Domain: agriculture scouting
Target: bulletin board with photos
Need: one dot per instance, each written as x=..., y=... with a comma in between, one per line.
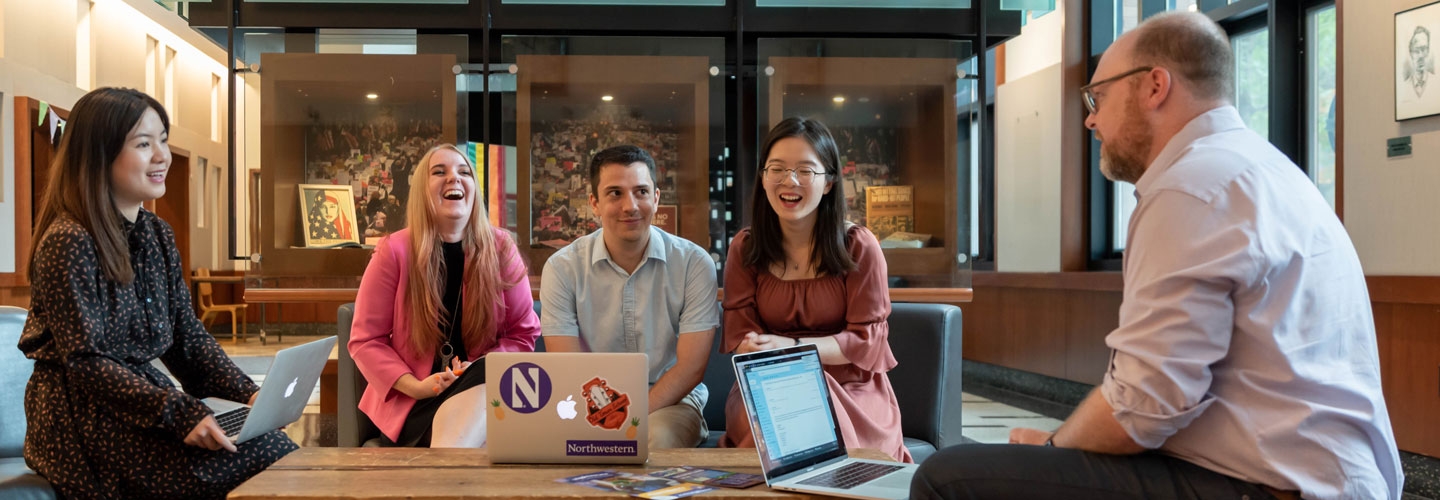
x=335, y=161
x=570, y=107
x=894, y=124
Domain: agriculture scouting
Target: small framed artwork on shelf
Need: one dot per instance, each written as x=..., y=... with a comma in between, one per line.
x=328, y=214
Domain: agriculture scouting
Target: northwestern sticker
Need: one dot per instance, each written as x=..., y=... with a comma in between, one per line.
x=575, y=448
x=525, y=387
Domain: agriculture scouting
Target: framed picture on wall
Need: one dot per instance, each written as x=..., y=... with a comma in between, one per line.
x=1417, y=92
x=328, y=214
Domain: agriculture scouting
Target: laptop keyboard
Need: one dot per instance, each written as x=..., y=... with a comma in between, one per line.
x=231, y=421
x=851, y=475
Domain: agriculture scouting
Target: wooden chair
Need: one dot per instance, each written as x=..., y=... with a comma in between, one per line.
x=209, y=309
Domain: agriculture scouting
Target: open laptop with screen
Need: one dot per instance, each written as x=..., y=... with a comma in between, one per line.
x=797, y=434
x=567, y=407
x=283, y=396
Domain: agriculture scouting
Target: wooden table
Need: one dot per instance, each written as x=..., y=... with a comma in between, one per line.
x=421, y=473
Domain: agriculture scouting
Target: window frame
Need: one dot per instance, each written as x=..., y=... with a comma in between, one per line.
x=1286, y=21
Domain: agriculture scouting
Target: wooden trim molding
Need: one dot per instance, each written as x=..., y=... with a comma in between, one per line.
x=1340, y=109
x=1404, y=289
x=1099, y=281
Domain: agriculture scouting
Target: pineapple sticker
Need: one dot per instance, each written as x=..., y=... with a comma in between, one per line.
x=499, y=412
x=634, y=427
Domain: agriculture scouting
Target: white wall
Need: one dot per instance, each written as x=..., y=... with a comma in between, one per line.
x=1038, y=46
x=1027, y=148
x=38, y=59
x=1027, y=173
x=1390, y=204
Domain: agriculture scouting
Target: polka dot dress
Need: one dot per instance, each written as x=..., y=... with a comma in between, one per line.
x=102, y=421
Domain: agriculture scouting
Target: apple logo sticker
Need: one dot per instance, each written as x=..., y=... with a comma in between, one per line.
x=566, y=408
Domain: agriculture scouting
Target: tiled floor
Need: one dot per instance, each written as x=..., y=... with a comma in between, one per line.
x=987, y=421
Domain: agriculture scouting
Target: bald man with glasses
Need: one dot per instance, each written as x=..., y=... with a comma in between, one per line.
x=1245, y=364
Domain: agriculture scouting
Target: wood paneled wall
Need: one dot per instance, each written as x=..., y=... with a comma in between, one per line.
x=1055, y=324
x=1048, y=323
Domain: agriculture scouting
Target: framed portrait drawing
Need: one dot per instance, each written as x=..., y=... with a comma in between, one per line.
x=1417, y=93
x=327, y=212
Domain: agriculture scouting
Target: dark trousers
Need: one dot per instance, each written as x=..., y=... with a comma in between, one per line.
x=1017, y=471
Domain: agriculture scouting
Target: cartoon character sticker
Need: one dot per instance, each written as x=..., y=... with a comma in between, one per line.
x=605, y=407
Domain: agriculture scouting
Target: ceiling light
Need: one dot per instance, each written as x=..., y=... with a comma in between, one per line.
x=372, y=95
x=607, y=98
x=839, y=99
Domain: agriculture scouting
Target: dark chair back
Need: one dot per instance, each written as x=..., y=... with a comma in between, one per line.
x=925, y=339
x=353, y=427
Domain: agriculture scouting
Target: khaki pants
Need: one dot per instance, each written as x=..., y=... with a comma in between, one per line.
x=681, y=425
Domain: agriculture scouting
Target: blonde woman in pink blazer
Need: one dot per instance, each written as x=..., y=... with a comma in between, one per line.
x=415, y=344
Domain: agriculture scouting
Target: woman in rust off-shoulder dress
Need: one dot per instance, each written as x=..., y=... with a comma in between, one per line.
x=801, y=273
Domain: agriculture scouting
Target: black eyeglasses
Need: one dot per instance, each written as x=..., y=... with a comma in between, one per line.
x=1088, y=92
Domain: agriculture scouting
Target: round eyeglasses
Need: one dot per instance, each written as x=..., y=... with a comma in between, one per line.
x=802, y=175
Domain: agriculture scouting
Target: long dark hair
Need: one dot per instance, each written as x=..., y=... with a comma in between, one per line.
x=765, y=245
x=79, y=184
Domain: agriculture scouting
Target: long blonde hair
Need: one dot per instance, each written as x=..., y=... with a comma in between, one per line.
x=483, y=284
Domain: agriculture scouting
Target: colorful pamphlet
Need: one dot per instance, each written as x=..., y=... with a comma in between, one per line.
x=637, y=485
x=710, y=477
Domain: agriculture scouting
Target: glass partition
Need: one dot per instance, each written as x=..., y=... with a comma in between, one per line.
x=566, y=98
x=332, y=124
x=901, y=112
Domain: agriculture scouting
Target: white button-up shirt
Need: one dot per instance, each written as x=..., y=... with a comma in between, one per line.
x=1246, y=343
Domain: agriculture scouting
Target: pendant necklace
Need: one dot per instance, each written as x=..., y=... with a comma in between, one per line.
x=447, y=352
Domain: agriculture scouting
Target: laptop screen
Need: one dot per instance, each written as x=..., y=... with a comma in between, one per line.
x=789, y=406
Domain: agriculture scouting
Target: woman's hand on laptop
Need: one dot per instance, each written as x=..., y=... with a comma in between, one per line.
x=763, y=341
x=207, y=434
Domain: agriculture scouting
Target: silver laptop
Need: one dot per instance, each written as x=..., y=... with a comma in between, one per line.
x=567, y=407
x=283, y=396
x=797, y=435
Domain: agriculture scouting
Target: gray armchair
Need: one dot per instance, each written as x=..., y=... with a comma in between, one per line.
x=16, y=480
x=924, y=337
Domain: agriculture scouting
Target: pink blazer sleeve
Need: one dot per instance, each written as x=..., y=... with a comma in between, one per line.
x=520, y=326
x=370, y=332
x=865, y=341
x=741, y=315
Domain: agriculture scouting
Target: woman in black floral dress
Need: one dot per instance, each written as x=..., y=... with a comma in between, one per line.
x=108, y=297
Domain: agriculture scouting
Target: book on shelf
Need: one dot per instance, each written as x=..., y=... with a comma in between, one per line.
x=889, y=209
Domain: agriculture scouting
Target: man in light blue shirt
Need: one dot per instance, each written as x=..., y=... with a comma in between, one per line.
x=630, y=287
x=1245, y=362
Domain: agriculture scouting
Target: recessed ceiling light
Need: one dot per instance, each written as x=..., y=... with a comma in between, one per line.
x=839, y=99
x=372, y=95
x=607, y=98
